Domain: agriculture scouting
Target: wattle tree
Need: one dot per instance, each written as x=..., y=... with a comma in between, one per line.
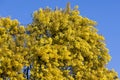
x=57, y=45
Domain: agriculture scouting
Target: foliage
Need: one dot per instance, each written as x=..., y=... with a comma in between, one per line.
x=59, y=45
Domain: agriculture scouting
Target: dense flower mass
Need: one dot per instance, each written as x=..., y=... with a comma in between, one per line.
x=57, y=45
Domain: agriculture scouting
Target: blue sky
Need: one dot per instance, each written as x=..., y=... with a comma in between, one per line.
x=105, y=12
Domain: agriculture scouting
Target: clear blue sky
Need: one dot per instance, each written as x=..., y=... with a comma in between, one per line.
x=105, y=12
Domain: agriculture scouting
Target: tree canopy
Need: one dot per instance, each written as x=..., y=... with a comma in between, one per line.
x=57, y=45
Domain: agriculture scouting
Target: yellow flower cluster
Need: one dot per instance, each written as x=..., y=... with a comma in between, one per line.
x=60, y=45
x=11, y=59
